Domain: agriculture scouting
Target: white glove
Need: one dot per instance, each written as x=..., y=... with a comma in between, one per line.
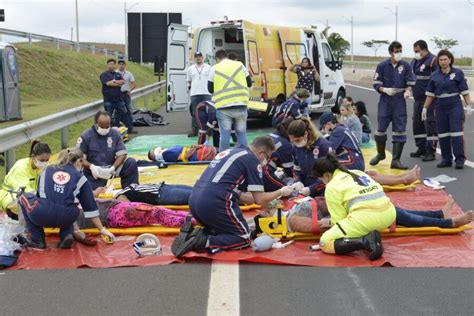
x=389, y=91
x=407, y=94
x=305, y=191
x=105, y=232
x=424, y=114
x=286, y=191
x=468, y=110
x=95, y=171
x=106, y=173
x=298, y=186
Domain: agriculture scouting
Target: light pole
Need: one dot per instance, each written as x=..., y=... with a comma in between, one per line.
x=77, y=26
x=351, y=20
x=125, y=10
x=471, y=2
x=396, y=19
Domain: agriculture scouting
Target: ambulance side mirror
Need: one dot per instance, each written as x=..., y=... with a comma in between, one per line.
x=339, y=63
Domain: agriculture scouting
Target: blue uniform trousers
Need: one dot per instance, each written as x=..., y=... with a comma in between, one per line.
x=39, y=213
x=215, y=210
x=392, y=110
x=352, y=160
x=128, y=174
x=450, y=123
x=425, y=132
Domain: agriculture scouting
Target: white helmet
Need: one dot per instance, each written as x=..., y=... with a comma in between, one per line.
x=147, y=245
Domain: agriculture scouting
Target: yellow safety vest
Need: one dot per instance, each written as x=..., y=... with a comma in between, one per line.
x=344, y=196
x=230, y=84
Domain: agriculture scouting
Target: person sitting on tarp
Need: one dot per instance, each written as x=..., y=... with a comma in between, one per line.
x=179, y=153
x=343, y=142
x=292, y=107
x=358, y=207
x=207, y=124
x=299, y=217
x=61, y=187
x=105, y=154
x=214, y=202
x=282, y=158
x=24, y=173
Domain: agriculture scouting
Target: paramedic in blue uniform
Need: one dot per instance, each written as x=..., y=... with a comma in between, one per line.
x=60, y=190
x=394, y=79
x=206, y=119
x=216, y=195
x=426, y=137
x=282, y=158
x=446, y=85
x=343, y=142
x=308, y=145
x=105, y=154
x=291, y=108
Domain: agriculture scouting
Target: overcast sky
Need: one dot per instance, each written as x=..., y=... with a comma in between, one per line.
x=103, y=20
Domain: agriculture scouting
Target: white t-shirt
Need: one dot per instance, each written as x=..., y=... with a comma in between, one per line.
x=198, y=76
x=128, y=78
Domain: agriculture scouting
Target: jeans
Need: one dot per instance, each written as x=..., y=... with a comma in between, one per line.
x=117, y=111
x=174, y=194
x=308, y=101
x=129, y=107
x=195, y=100
x=409, y=218
x=225, y=118
x=365, y=138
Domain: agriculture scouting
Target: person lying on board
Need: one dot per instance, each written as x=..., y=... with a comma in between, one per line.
x=179, y=153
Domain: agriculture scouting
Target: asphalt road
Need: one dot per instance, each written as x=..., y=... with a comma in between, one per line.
x=182, y=289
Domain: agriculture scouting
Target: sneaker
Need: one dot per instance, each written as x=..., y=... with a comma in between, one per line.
x=37, y=244
x=66, y=242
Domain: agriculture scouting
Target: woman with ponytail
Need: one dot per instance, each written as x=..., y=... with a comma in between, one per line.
x=25, y=173
x=358, y=207
x=308, y=145
x=55, y=203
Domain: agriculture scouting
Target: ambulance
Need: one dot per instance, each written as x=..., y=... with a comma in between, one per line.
x=267, y=51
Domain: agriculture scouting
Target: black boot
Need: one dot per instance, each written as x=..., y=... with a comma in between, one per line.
x=66, y=242
x=37, y=244
x=371, y=242
x=184, y=233
x=431, y=151
x=397, y=153
x=420, y=152
x=429, y=157
x=380, y=142
x=196, y=242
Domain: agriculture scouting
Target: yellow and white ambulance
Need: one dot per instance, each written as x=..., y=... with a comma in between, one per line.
x=267, y=51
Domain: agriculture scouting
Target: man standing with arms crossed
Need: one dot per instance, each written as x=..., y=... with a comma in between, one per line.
x=126, y=89
x=230, y=81
x=197, y=76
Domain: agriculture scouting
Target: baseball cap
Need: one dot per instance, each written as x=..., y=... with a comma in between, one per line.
x=121, y=61
x=196, y=54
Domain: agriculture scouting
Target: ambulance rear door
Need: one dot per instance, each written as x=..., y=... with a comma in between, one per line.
x=177, y=94
x=293, y=50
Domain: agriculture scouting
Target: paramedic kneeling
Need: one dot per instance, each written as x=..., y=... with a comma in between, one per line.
x=61, y=188
x=106, y=155
x=358, y=207
x=215, y=199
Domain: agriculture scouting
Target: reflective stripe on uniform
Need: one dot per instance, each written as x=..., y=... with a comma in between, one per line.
x=430, y=94
x=287, y=165
x=230, y=96
x=227, y=165
x=447, y=95
x=399, y=133
x=41, y=186
x=365, y=198
x=456, y=134
x=423, y=77
x=464, y=92
x=432, y=138
x=377, y=82
x=411, y=83
x=377, y=133
x=420, y=136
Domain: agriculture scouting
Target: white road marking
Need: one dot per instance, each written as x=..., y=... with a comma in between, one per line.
x=224, y=290
x=467, y=163
x=362, y=292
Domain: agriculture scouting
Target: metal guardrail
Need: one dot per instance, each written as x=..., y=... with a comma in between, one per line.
x=57, y=41
x=466, y=69
x=20, y=134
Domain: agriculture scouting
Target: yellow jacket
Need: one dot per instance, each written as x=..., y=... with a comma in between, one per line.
x=22, y=174
x=344, y=195
x=230, y=84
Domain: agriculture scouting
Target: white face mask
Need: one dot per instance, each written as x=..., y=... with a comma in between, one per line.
x=301, y=143
x=103, y=131
x=158, y=152
x=40, y=164
x=264, y=162
x=417, y=56
x=397, y=56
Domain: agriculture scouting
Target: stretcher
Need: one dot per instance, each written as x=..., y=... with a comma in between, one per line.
x=153, y=229
x=277, y=227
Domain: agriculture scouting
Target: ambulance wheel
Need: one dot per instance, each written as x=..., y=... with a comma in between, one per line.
x=341, y=94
